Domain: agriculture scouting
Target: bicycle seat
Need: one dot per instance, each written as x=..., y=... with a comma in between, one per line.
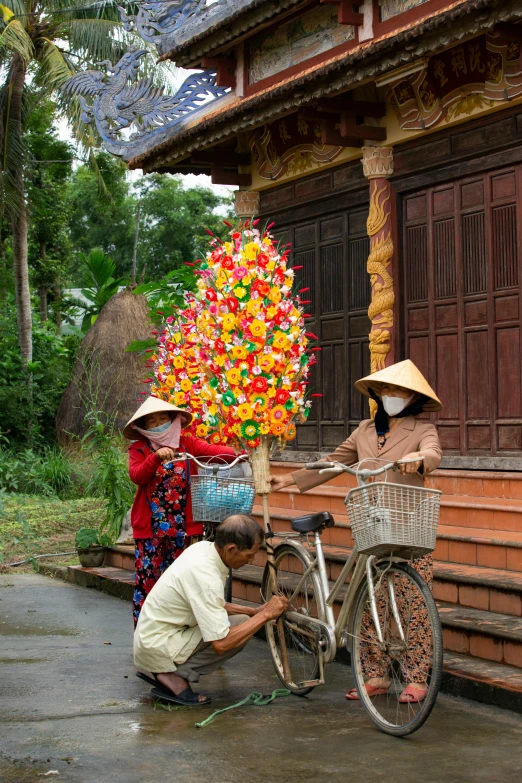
x=309, y=523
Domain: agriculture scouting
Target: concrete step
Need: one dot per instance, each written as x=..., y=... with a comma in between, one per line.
x=489, y=682
x=481, y=634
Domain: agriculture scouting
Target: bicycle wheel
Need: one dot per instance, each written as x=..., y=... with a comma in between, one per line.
x=301, y=643
x=398, y=657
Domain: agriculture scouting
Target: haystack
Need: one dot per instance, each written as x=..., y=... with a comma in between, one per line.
x=104, y=370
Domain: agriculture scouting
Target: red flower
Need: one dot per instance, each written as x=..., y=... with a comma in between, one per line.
x=254, y=443
x=279, y=318
x=236, y=235
x=262, y=260
x=219, y=345
x=148, y=585
x=227, y=262
x=279, y=276
x=232, y=303
x=281, y=396
x=211, y=295
x=259, y=384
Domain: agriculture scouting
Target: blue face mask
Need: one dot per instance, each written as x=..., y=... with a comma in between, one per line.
x=160, y=427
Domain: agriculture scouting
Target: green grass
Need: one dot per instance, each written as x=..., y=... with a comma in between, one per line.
x=52, y=522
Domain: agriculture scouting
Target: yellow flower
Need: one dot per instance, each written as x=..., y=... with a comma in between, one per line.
x=228, y=248
x=264, y=429
x=213, y=409
x=254, y=307
x=239, y=352
x=244, y=412
x=261, y=399
x=201, y=430
x=233, y=376
x=186, y=385
x=278, y=413
x=288, y=282
x=220, y=360
x=267, y=241
x=280, y=341
x=221, y=281
x=275, y=295
x=270, y=266
x=257, y=328
x=170, y=381
x=179, y=398
x=266, y=362
x=251, y=250
x=229, y=321
x=239, y=291
x=271, y=311
x=178, y=362
x=176, y=337
x=246, y=280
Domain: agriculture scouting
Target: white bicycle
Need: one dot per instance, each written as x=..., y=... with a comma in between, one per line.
x=387, y=617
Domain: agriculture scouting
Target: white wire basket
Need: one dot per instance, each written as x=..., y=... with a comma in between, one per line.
x=394, y=517
x=214, y=497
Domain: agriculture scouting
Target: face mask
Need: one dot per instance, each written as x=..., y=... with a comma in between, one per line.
x=395, y=405
x=160, y=427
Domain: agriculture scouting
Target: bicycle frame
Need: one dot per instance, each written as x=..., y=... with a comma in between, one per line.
x=361, y=565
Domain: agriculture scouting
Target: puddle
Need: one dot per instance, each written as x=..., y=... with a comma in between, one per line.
x=15, y=628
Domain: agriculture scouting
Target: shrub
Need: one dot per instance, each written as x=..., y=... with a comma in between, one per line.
x=48, y=472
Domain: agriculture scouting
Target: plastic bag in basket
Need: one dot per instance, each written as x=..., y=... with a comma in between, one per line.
x=229, y=496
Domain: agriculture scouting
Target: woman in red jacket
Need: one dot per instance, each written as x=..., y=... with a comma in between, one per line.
x=161, y=514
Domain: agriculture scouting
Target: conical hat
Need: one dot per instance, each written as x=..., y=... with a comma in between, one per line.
x=405, y=375
x=153, y=405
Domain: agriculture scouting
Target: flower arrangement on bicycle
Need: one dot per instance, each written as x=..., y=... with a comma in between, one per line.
x=236, y=355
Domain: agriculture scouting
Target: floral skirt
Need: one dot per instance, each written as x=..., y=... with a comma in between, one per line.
x=153, y=557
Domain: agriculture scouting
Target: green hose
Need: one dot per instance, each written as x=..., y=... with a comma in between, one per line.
x=255, y=698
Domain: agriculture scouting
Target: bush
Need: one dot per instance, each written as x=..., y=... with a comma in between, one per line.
x=29, y=397
x=50, y=472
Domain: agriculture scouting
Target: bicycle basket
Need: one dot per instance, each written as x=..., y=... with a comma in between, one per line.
x=393, y=517
x=215, y=498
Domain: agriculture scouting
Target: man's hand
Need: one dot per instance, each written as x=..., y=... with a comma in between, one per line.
x=411, y=467
x=275, y=607
x=280, y=482
x=166, y=453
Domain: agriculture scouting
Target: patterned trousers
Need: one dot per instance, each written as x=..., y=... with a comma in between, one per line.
x=153, y=557
x=415, y=663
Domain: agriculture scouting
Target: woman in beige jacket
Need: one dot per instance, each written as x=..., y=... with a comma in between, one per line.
x=401, y=393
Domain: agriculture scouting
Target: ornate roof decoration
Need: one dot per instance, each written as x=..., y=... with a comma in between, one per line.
x=370, y=60
x=157, y=19
x=129, y=112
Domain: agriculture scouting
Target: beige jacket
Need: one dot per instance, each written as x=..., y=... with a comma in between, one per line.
x=407, y=436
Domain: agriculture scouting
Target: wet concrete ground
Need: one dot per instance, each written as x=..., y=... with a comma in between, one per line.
x=70, y=703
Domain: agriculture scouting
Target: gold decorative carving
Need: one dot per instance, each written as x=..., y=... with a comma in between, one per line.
x=246, y=203
x=380, y=258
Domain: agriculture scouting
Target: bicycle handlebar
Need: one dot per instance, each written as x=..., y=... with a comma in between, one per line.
x=228, y=465
x=338, y=467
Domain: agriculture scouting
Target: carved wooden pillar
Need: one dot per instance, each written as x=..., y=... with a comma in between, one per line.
x=378, y=166
x=246, y=203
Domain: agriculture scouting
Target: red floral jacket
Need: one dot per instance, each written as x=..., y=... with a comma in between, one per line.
x=143, y=464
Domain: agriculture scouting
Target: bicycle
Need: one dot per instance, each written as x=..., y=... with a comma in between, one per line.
x=217, y=493
x=391, y=524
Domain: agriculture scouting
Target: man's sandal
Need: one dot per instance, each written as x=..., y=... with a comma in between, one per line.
x=413, y=693
x=372, y=690
x=186, y=697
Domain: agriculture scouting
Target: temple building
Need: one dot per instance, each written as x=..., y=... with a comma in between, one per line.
x=384, y=139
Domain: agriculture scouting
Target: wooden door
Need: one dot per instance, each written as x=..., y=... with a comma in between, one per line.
x=332, y=252
x=462, y=252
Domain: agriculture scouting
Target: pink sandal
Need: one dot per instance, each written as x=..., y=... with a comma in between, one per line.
x=372, y=690
x=413, y=693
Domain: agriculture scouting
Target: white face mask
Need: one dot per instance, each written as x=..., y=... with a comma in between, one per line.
x=395, y=405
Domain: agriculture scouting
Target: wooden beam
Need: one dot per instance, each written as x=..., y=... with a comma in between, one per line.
x=311, y=114
x=225, y=69
x=223, y=156
x=345, y=12
x=221, y=177
x=511, y=33
x=330, y=135
x=342, y=105
x=351, y=130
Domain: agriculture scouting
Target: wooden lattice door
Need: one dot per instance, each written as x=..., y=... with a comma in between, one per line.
x=462, y=253
x=332, y=252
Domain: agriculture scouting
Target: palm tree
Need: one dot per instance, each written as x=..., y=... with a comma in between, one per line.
x=42, y=44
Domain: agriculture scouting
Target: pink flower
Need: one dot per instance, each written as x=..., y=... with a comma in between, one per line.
x=170, y=319
x=240, y=272
x=213, y=309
